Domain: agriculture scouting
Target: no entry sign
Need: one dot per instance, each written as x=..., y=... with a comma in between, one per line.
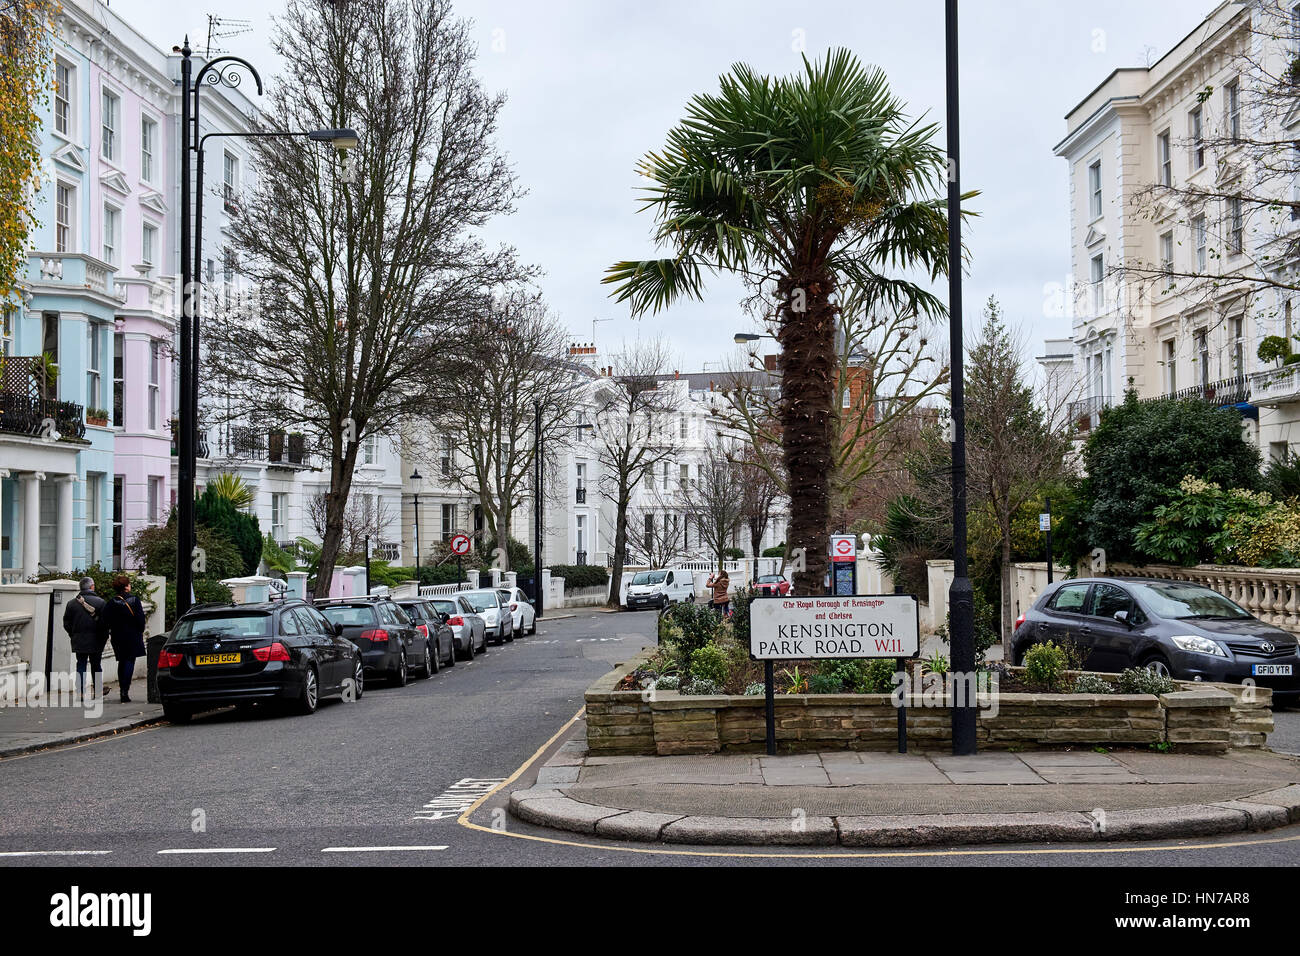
x=459, y=544
x=798, y=628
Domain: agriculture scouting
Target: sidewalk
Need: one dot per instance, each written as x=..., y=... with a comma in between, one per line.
x=915, y=799
x=24, y=729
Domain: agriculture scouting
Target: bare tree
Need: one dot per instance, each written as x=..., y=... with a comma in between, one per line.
x=364, y=277
x=714, y=500
x=657, y=535
x=509, y=364
x=632, y=407
x=760, y=495
x=366, y=516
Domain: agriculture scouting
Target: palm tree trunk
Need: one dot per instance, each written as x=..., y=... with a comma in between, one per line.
x=807, y=365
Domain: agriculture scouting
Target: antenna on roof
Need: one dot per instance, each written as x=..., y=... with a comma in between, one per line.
x=219, y=28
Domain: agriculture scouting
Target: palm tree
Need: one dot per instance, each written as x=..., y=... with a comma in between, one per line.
x=806, y=186
x=233, y=488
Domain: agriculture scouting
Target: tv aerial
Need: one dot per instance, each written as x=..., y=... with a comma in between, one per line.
x=222, y=28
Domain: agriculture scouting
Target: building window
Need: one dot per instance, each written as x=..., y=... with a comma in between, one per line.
x=63, y=212
x=663, y=480
x=1171, y=368
x=1235, y=226
x=92, y=365
x=685, y=476
x=682, y=427
x=110, y=235
x=1232, y=96
x=368, y=449
x=155, y=380
x=118, y=369
x=1094, y=190
x=1278, y=450
x=1295, y=185
x=155, y=499
x=94, y=515
x=448, y=521
x=444, y=462
x=1196, y=135
x=50, y=335
x=581, y=481
x=279, y=508
x=1198, y=234
x=1167, y=258
x=230, y=183
x=62, y=98
x=110, y=114
x=1164, y=159
x=6, y=332
x=119, y=482
x=148, y=143
x=148, y=239
x=1203, y=357
x=1098, y=289
x=1238, y=345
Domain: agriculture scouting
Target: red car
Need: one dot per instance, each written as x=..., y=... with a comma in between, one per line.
x=771, y=584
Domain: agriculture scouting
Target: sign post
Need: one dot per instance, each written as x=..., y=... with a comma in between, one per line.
x=831, y=626
x=1045, y=524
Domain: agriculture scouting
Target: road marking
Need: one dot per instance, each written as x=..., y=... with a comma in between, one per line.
x=55, y=852
x=464, y=821
x=377, y=849
x=458, y=798
x=224, y=849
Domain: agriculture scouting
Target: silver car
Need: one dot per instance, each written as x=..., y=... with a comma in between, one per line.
x=486, y=603
x=469, y=633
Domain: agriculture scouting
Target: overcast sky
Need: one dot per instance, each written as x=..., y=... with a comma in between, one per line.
x=592, y=86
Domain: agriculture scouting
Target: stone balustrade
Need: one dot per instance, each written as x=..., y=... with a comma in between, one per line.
x=1270, y=594
x=11, y=639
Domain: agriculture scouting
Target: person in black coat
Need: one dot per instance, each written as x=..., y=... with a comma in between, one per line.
x=83, y=619
x=125, y=616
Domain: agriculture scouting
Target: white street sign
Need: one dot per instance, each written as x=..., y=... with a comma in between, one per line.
x=792, y=628
x=1044, y=522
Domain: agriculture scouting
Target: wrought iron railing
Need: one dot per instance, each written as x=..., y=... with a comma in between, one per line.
x=1086, y=413
x=25, y=415
x=1226, y=391
x=581, y=496
x=581, y=557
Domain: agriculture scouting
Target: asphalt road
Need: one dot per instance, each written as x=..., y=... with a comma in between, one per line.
x=385, y=780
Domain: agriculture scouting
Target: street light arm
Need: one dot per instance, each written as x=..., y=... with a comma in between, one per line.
x=213, y=76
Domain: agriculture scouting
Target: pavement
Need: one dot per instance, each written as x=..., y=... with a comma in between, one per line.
x=24, y=728
x=855, y=799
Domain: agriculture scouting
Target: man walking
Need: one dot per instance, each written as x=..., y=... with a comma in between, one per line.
x=84, y=620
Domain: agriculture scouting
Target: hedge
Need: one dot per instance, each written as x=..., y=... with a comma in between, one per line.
x=580, y=575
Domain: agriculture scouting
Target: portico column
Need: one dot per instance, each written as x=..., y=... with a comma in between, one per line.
x=4, y=473
x=63, y=550
x=31, y=522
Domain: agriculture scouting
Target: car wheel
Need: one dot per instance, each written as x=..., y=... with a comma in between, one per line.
x=358, y=679
x=401, y=675
x=533, y=628
x=1157, y=664
x=451, y=656
x=430, y=660
x=469, y=647
x=309, y=699
x=510, y=638
x=176, y=714
x=482, y=648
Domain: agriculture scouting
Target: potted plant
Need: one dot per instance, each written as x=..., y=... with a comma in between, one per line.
x=97, y=416
x=297, y=446
x=275, y=445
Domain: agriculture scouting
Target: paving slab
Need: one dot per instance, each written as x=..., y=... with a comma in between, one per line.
x=1081, y=758
x=789, y=776
x=549, y=774
x=994, y=775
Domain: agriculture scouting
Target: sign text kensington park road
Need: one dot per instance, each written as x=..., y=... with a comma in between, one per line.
x=794, y=628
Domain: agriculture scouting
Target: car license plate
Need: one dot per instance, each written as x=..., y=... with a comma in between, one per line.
x=201, y=659
x=1271, y=670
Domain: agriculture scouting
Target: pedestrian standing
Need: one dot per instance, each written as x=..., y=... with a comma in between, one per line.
x=125, y=616
x=84, y=621
x=721, y=585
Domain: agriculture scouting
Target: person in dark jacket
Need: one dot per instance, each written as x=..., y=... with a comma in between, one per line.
x=125, y=615
x=83, y=619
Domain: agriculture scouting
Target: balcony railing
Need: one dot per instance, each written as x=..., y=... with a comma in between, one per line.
x=581, y=557
x=1086, y=413
x=1227, y=391
x=24, y=415
x=1276, y=386
x=581, y=496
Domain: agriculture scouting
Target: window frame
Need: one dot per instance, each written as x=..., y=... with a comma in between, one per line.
x=1095, y=204
x=148, y=148
x=108, y=133
x=64, y=98
x=1196, y=138
x=65, y=205
x=1165, y=158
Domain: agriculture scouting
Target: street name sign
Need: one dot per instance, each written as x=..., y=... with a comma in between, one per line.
x=799, y=628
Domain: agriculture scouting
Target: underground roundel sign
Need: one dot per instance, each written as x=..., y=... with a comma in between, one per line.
x=843, y=547
x=460, y=544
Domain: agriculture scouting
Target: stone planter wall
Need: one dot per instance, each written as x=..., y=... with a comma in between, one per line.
x=1195, y=718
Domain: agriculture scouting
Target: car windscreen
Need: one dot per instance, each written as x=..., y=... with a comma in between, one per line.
x=224, y=625
x=349, y=615
x=1179, y=601
x=769, y=579
x=649, y=577
x=482, y=600
x=445, y=607
x=415, y=611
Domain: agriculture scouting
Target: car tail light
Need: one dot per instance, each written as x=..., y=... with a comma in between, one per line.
x=423, y=629
x=168, y=659
x=514, y=607
x=456, y=621
x=376, y=635
x=1020, y=620
x=273, y=652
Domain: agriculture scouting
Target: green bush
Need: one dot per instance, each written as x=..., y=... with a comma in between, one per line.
x=709, y=663
x=824, y=684
x=1139, y=680
x=1192, y=525
x=668, y=682
x=214, y=511
x=698, y=688
x=733, y=554
x=755, y=690
x=103, y=579
x=860, y=675
x=1092, y=684
x=206, y=591
x=581, y=575
x=155, y=549
x=1045, y=666
x=698, y=625
x=740, y=602
x=777, y=552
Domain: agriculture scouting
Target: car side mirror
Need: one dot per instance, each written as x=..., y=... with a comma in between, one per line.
x=338, y=630
x=1122, y=617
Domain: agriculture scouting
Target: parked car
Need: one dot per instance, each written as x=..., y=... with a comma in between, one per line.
x=429, y=622
x=497, y=619
x=389, y=642
x=521, y=610
x=660, y=588
x=467, y=627
x=239, y=654
x=1175, y=628
x=771, y=585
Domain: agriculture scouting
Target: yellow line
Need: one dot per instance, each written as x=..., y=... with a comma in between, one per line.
x=464, y=821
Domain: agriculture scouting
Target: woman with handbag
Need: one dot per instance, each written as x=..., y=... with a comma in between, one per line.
x=126, y=617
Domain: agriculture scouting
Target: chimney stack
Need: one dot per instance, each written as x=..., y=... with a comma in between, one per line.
x=769, y=362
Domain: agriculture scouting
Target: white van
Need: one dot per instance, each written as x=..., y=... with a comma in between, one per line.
x=660, y=588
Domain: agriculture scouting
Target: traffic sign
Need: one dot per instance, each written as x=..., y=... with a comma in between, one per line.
x=459, y=544
x=844, y=547
x=1044, y=522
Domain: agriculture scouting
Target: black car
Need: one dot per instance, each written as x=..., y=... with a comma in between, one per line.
x=240, y=654
x=1175, y=628
x=390, y=643
x=433, y=625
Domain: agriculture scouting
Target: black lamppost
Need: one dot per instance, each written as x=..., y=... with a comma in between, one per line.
x=961, y=607
x=214, y=72
x=416, y=478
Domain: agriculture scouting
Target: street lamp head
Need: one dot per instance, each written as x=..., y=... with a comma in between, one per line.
x=743, y=337
x=341, y=139
x=416, y=476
